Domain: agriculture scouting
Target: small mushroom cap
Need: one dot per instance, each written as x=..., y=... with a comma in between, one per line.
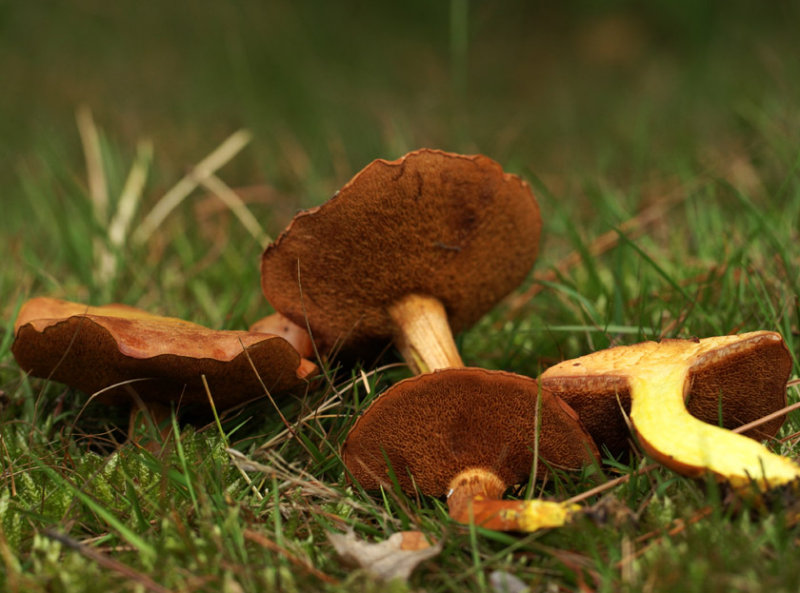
x=435, y=425
x=282, y=326
x=453, y=227
x=743, y=377
x=92, y=348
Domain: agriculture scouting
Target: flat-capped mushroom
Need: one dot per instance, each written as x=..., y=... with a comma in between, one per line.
x=469, y=434
x=409, y=250
x=740, y=376
x=113, y=349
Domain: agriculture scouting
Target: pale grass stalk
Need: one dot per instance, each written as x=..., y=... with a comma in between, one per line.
x=289, y=476
x=650, y=467
x=334, y=401
x=95, y=173
x=98, y=191
x=189, y=182
x=131, y=196
x=235, y=204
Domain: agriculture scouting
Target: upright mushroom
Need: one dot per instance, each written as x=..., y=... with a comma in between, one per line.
x=409, y=250
x=734, y=378
x=115, y=350
x=469, y=434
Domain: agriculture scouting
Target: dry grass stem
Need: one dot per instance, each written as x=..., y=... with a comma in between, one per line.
x=632, y=228
x=236, y=205
x=131, y=196
x=108, y=563
x=189, y=182
x=305, y=565
x=650, y=467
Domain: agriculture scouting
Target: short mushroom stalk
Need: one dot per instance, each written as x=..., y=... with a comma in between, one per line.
x=475, y=496
x=469, y=434
x=658, y=377
x=423, y=335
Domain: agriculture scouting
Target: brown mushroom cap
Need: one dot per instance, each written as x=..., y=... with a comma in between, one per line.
x=432, y=223
x=433, y=426
x=92, y=348
x=742, y=377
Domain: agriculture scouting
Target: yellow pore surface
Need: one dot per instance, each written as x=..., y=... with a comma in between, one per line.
x=674, y=437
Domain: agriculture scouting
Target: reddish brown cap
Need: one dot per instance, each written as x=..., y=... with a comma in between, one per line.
x=743, y=378
x=433, y=426
x=280, y=325
x=432, y=223
x=91, y=348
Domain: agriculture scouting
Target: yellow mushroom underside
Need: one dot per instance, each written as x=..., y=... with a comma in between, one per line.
x=671, y=435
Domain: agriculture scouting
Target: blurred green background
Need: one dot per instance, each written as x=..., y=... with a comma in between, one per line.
x=568, y=93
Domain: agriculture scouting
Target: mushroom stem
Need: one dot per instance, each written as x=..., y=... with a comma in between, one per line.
x=423, y=335
x=475, y=497
x=673, y=437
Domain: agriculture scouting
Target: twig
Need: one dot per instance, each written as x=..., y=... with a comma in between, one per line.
x=648, y=468
x=107, y=562
x=265, y=542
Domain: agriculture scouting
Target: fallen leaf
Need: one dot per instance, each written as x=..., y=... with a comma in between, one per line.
x=505, y=582
x=393, y=558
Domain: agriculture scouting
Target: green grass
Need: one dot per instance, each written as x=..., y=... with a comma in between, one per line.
x=687, y=104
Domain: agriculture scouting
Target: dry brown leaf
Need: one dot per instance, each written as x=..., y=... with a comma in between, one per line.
x=393, y=558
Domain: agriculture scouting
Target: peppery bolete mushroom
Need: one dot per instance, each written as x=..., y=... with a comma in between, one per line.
x=737, y=378
x=470, y=434
x=280, y=325
x=409, y=250
x=115, y=350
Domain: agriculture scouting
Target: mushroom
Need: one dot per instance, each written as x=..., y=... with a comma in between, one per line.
x=470, y=434
x=409, y=250
x=737, y=378
x=280, y=325
x=119, y=352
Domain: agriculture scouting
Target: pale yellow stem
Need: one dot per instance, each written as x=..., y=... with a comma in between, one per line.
x=424, y=337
